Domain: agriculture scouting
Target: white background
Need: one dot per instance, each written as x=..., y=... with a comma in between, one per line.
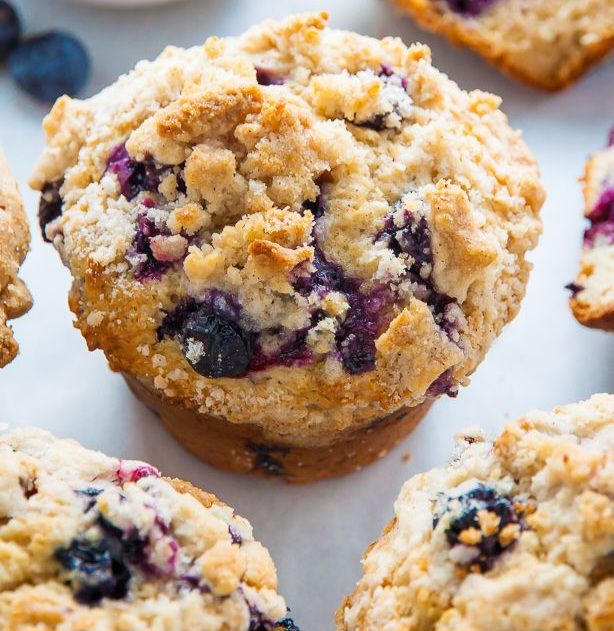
x=316, y=533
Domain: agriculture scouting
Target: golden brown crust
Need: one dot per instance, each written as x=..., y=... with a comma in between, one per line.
x=15, y=299
x=574, y=62
x=242, y=448
x=250, y=208
x=553, y=469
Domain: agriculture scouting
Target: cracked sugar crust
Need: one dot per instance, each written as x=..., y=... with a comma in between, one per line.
x=15, y=299
x=93, y=542
x=351, y=222
x=547, y=44
x=592, y=301
x=517, y=533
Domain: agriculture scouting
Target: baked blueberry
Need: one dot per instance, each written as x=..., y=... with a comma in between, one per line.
x=215, y=346
x=49, y=65
x=484, y=522
x=50, y=206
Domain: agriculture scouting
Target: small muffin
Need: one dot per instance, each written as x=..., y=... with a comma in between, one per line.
x=592, y=300
x=515, y=535
x=92, y=543
x=15, y=299
x=290, y=241
x=547, y=44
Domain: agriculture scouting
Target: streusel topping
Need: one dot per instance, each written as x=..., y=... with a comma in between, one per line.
x=516, y=535
x=93, y=542
x=295, y=227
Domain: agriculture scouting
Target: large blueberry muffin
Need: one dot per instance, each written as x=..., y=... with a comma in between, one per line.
x=290, y=241
x=515, y=535
x=93, y=543
x=15, y=299
x=548, y=44
x=592, y=300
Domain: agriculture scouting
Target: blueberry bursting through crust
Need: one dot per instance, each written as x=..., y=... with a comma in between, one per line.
x=480, y=526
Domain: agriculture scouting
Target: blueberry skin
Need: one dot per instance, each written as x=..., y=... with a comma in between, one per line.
x=49, y=65
x=10, y=29
x=226, y=348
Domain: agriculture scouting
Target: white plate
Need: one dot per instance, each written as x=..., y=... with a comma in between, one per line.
x=316, y=533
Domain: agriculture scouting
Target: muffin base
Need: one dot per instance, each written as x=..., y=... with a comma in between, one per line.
x=242, y=447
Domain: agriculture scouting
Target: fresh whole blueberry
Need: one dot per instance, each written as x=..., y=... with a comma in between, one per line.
x=49, y=65
x=216, y=347
x=10, y=29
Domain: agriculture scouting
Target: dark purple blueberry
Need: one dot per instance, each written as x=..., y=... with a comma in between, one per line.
x=356, y=336
x=602, y=220
x=174, y=320
x=265, y=461
x=268, y=77
x=10, y=29
x=413, y=238
x=234, y=535
x=146, y=265
x=574, y=288
x=293, y=352
x=470, y=7
x=328, y=276
x=216, y=347
x=134, y=177
x=604, y=208
x=466, y=517
x=49, y=65
x=611, y=138
x=97, y=569
x=444, y=384
x=355, y=339
x=50, y=205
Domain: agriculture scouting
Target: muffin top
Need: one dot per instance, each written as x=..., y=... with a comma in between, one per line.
x=547, y=44
x=15, y=299
x=298, y=228
x=92, y=542
x=517, y=534
x=593, y=291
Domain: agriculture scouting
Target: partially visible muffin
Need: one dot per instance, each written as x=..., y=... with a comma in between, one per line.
x=592, y=300
x=515, y=535
x=548, y=44
x=290, y=241
x=15, y=299
x=93, y=543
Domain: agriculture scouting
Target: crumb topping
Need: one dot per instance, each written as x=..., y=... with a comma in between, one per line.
x=343, y=193
x=517, y=531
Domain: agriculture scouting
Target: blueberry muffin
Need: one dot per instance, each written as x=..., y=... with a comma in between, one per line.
x=518, y=534
x=89, y=542
x=547, y=44
x=291, y=241
x=15, y=299
x=592, y=300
